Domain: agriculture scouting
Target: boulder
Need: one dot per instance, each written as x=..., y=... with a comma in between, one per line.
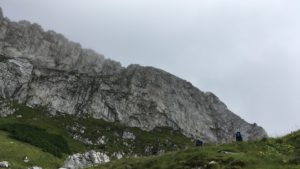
x=35, y=167
x=128, y=135
x=26, y=159
x=4, y=164
x=118, y=155
x=5, y=108
x=83, y=160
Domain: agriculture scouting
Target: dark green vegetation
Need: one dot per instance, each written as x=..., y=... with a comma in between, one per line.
x=160, y=139
x=14, y=151
x=42, y=123
x=47, y=140
x=294, y=140
x=52, y=143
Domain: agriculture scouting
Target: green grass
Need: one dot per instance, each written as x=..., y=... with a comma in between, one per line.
x=249, y=155
x=14, y=151
x=294, y=139
x=279, y=153
x=51, y=143
x=37, y=118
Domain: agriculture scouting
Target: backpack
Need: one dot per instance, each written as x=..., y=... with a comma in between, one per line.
x=238, y=136
x=199, y=143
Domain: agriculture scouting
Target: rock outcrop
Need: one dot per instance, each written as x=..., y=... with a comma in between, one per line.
x=5, y=108
x=84, y=160
x=128, y=135
x=43, y=68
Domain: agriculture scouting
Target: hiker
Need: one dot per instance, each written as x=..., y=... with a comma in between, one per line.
x=199, y=143
x=238, y=137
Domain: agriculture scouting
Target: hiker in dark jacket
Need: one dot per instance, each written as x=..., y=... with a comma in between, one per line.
x=238, y=137
x=199, y=143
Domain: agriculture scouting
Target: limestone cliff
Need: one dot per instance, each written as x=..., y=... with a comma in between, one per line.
x=43, y=68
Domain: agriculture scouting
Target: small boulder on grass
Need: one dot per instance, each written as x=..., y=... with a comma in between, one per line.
x=4, y=164
x=26, y=159
x=213, y=165
x=212, y=162
x=19, y=116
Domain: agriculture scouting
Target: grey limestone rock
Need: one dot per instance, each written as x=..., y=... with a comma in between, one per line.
x=4, y=164
x=118, y=155
x=128, y=135
x=35, y=167
x=84, y=160
x=26, y=159
x=43, y=68
x=101, y=140
x=5, y=109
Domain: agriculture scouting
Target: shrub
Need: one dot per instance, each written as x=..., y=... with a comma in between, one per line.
x=296, y=156
x=51, y=143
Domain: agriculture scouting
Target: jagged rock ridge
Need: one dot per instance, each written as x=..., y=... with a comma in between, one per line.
x=41, y=68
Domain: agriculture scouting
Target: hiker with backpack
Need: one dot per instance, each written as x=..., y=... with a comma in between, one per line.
x=238, y=137
x=199, y=143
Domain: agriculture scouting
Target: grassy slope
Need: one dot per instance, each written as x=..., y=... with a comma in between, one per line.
x=14, y=152
x=265, y=154
x=35, y=117
x=280, y=153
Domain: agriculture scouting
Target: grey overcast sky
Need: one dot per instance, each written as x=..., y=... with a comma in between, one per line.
x=245, y=51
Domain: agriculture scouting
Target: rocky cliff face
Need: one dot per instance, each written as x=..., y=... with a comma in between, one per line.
x=43, y=68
